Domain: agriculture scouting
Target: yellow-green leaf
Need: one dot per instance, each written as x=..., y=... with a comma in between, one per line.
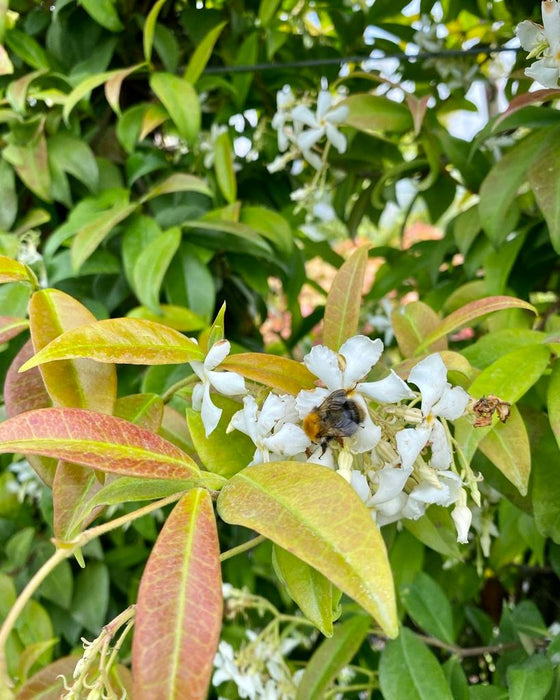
x=181, y=102
x=273, y=371
x=315, y=514
x=202, y=54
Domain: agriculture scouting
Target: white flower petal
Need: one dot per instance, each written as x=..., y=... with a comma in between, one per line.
x=529, y=34
x=413, y=509
x=360, y=485
x=410, y=442
x=365, y=438
x=285, y=98
x=227, y=383
x=209, y=413
x=217, y=354
x=197, y=395
x=441, y=449
x=273, y=410
x=306, y=401
x=389, y=511
x=289, y=440
x=551, y=22
x=388, y=390
x=313, y=159
x=427, y=493
x=391, y=481
x=326, y=459
x=462, y=518
x=452, y=403
x=245, y=420
x=337, y=139
x=324, y=102
x=360, y=353
x=430, y=376
x=543, y=73
x=308, y=138
x=323, y=363
x=198, y=369
x=305, y=116
x=338, y=115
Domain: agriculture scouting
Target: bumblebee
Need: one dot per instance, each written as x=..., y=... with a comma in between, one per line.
x=337, y=417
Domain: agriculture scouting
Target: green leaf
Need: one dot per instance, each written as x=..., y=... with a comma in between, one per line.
x=271, y=225
x=408, y=669
x=344, y=300
x=470, y=312
x=223, y=165
x=30, y=161
x=59, y=585
x=245, y=56
x=8, y=196
x=177, y=317
x=331, y=657
x=530, y=680
x=267, y=11
x=27, y=48
x=427, y=604
x=151, y=266
x=149, y=28
x=500, y=186
x=544, y=178
x=91, y=596
x=127, y=340
x=371, y=113
x=202, y=53
x=553, y=401
x=181, y=102
x=114, y=83
x=221, y=453
x=84, y=88
x=176, y=635
x=436, y=530
x=104, y=13
x=492, y=346
x=177, y=182
x=309, y=589
x=301, y=510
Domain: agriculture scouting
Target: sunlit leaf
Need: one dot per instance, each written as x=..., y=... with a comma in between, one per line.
x=202, y=53
x=177, y=317
x=300, y=507
x=271, y=370
x=11, y=326
x=179, y=606
x=371, y=113
x=181, y=102
x=412, y=323
x=149, y=29
x=223, y=165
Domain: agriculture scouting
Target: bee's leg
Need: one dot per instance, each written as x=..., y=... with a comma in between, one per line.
x=340, y=440
x=324, y=445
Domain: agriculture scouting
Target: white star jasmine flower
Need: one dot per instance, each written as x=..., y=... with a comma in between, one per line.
x=324, y=122
x=544, y=42
x=270, y=429
x=285, y=100
x=439, y=400
x=224, y=382
x=462, y=517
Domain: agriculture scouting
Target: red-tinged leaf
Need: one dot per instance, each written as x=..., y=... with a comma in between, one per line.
x=145, y=410
x=13, y=271
x=543, y=175
x=412, y=324
x=179, y=608
x=10, y=326
x=31, y=163
x=114, y=83
x=271, y=370
x=74, y=383
x=315, y=514
x=27, y=392
x=526, y=98
x=470, y=312
x=131, y=341
x=417, y=107
x=344, y=300
x=48, y=683
x=95, y=440
x=73, y=486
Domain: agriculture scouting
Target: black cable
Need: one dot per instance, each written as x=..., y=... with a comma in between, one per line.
x=451, y=53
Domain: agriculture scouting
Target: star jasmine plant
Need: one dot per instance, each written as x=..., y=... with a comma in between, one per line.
x=543, y=42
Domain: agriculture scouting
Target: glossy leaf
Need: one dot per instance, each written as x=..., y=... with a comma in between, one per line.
x=271, y=225
x=114, y=83
x=126, y=340
x=151, y=266
x=30, y=161
x=144, y=410
x=202, y=53
x=507, y=447
x=84, y=88
x=181, y=102
x=149, y=29
x=371, y=113
x=331, y=657
x=301, y=508
x=13, y=271
x=177, y=317
x=48, y=683
x=553, y=401
x=408, y=669
x=95, y=440
x=73, y=486
x=273, y=371
x=412, y=324
x=344, y=300
x=77, y=383
x=11, y=326
x=427, y=604
x=223, y=165
x=8, y=196
x=179, y=607
x=471, y=312
x=436, y=530
x=104, y=13
x=309, y=589
x=177, y=182
x=221, y=453
x=544, y=178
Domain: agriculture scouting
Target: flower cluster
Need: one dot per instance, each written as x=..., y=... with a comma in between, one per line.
x=300, y=129
x=543, y=43
x=396, y=449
